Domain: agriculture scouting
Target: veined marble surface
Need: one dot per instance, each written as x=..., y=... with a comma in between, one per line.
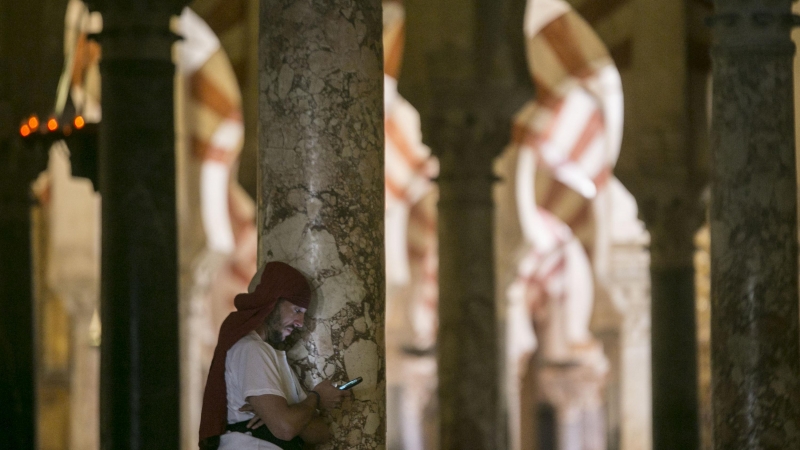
x=321, y=193
x=755, y=359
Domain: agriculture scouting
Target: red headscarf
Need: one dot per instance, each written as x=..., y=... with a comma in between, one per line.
x=279, y=281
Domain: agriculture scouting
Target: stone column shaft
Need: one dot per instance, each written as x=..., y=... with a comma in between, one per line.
x=469, y=350
x=755, y=353
x=465, y=72
x=673, y=214
x=31, y=52
x=139, y=384
x=321, y=193
x=17, y=372
x=674, y=358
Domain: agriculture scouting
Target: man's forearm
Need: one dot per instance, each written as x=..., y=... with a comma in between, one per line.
x=316, y=432
x=300, y=414
x=291, y=421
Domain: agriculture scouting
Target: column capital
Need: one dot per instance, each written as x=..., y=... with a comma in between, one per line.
x=672, y=214
x=752, y=26
x=137, y=30
x=667, y=176
x=138, y=7
x=469, y=115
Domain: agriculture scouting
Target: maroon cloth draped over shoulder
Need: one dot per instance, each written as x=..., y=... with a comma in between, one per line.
x=278, y=281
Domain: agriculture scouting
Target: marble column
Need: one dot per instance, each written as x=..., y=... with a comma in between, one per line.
x=672, y=218
x=321, y=193
x=30, y=62
x=20, y=164
x=464, y=69
x=755, y=359
x=469, y=349
x=17, y=371
x=139, y=376
x=663, y=164
x=630, y=291
x=71, y=274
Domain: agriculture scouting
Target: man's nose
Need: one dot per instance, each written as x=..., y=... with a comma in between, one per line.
x=298, y=321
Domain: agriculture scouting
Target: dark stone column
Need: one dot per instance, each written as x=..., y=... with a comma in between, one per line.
x=755, y=358
x=469, y=346
x=664, y=165
x=30, y=61
x=465, y=70
x=18, y=418
x=17, y=364
x=674, y=358
x=139, y=387
x=672, y=219
x=321, y=193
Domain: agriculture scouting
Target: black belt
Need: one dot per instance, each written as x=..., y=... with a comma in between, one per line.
x=264, y=434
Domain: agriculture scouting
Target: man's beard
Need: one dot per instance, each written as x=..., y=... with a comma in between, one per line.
x=274, y=330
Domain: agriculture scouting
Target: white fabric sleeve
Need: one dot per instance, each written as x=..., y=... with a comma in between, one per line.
x=301, y=393
x=261, y=375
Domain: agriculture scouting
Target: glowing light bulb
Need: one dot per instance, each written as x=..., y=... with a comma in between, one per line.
x=52, y=124
x=79, y=122
x=25, y=130
x=33, y=122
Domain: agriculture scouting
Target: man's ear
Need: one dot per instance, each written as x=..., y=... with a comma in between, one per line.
x=256, y=279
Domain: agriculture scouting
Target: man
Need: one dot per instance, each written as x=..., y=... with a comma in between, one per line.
x=251, y=389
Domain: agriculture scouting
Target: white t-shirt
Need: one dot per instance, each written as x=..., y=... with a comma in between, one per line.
x=253, y=368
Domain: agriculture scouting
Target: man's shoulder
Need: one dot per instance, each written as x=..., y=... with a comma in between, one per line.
x=250, y=343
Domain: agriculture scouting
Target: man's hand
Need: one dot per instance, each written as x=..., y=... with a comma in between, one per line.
x=256, y=421
x=329, y=396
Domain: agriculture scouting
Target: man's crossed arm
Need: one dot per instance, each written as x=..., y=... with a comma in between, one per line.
x=286, y=421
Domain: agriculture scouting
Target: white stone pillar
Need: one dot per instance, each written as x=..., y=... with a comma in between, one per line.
x=321, y=192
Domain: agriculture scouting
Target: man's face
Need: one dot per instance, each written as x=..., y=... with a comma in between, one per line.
x=283, y=320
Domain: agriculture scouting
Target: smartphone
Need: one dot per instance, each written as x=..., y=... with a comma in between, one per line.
x=350, y=384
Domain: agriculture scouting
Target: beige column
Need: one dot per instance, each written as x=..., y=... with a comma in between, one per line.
x=73, y=273
x=321, y=192
x=630, y=292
